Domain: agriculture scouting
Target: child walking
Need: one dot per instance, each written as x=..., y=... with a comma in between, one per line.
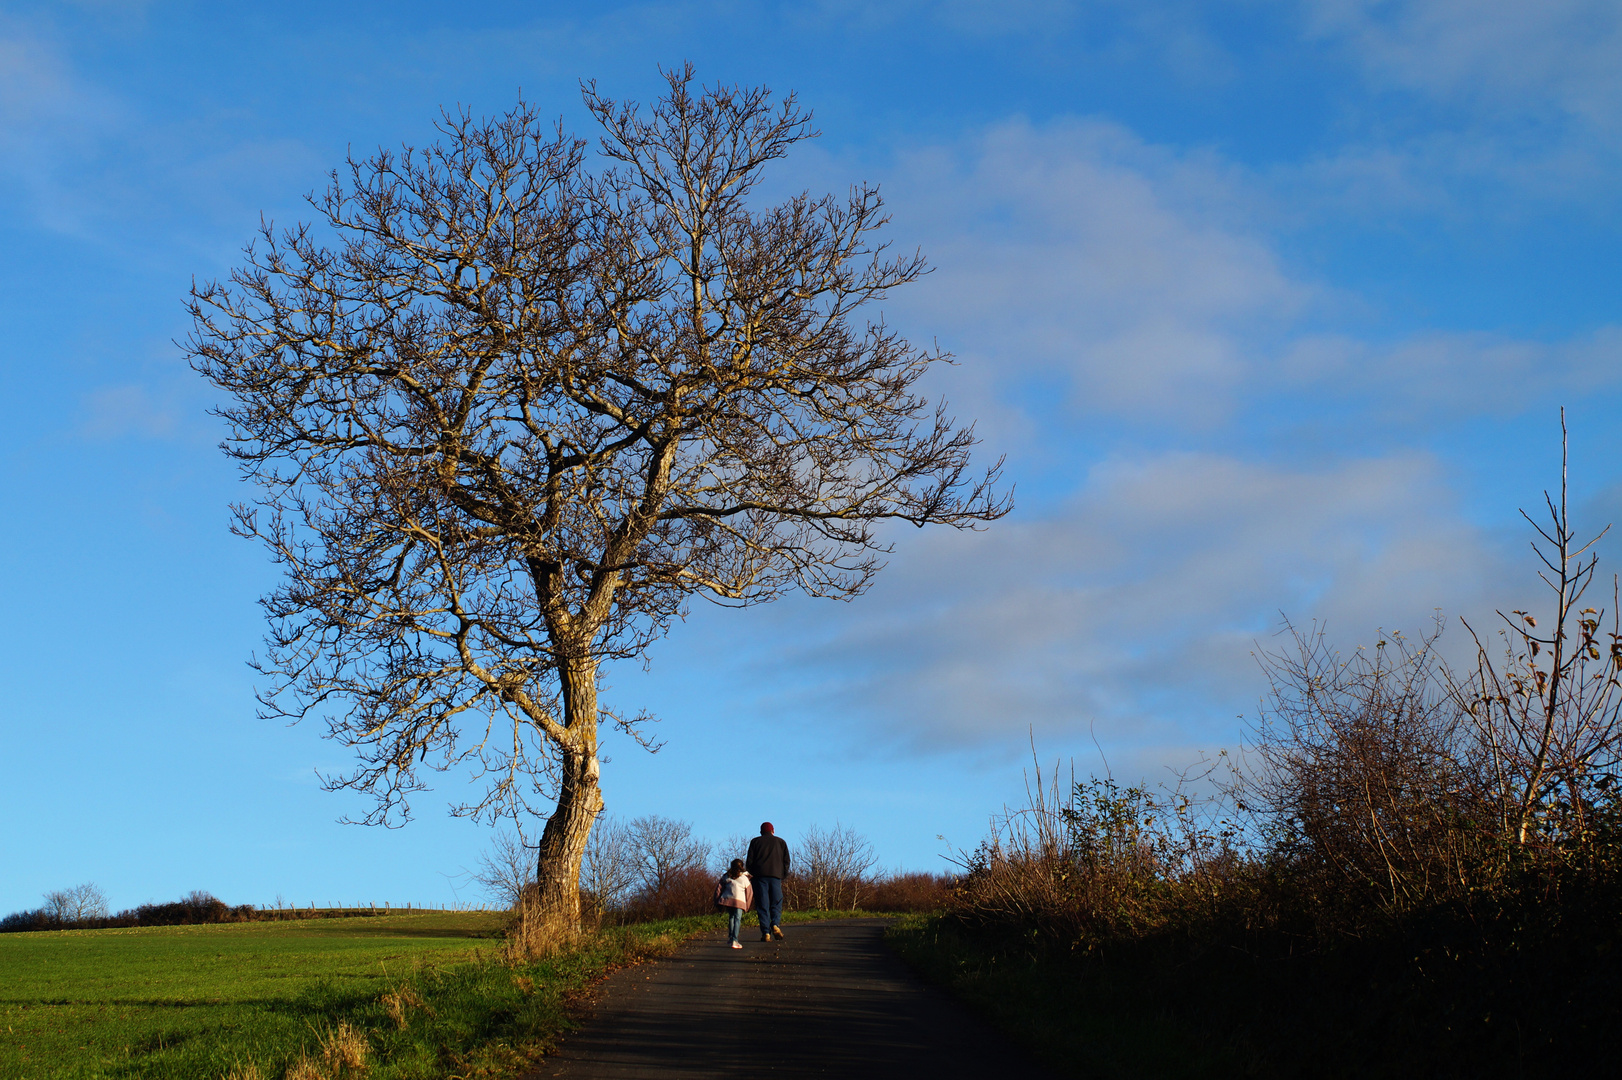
x=736, y=894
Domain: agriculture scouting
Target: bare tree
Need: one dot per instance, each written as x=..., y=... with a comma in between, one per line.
x=661, y=847
x=735, y=846
x=507, y=869
x=511, y=409
x=1548, y=712
x=78, y=904
x=834, y=864
x=609, y=870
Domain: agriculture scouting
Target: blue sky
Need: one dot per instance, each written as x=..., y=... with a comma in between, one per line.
x=1272, y=306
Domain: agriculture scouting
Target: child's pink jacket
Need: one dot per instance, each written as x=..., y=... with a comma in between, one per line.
x=735, y=892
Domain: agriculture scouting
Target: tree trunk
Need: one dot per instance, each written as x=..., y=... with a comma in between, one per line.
x=554, y=914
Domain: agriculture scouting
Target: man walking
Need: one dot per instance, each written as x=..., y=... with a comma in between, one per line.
x=767, y=864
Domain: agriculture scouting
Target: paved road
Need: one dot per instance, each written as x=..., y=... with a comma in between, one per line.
x=830, y=1000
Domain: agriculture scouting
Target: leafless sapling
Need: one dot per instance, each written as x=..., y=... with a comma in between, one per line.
x=1548, y=711
x=507, y=869
x=834, y=865
x=661, y=847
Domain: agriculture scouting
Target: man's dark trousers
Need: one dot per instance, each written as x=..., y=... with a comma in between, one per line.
x=769, y=902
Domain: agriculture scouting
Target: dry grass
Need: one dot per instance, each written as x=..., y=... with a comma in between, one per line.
x=304, y=1068
x=344, y=1049
x=399, y=1002
x=244, y=1071
x=535, y=936
x=1101, y=862
x=342, y=1052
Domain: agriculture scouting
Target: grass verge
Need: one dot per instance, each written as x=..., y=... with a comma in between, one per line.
x=1441, y=997
x=1080, y=1022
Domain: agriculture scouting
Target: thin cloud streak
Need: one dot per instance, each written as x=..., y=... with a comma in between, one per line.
x=1136, y=611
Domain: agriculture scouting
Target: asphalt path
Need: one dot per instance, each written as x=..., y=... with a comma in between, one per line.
x=829, y=1000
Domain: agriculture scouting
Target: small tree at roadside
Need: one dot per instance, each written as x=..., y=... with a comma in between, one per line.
x=834, y=865
x=507, y=869
x=661, y=848
x=1362, y=767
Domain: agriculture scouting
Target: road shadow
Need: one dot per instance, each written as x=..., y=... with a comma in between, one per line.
x=830, y=1000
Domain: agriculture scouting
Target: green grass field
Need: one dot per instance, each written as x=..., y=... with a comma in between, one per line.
x=249, y=1000
x=252, y=998
x=196, y=1000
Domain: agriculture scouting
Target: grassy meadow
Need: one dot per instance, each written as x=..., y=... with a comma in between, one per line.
x=414, y=995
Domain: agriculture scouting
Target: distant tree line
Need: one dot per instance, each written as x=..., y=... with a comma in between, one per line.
x=647, y=868
x=84, y=907
x=654, y=867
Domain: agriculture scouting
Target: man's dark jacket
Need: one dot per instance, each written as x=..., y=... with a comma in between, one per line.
x=768, y=857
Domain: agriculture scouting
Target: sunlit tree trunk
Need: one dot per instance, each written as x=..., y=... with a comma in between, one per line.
x=556, y=907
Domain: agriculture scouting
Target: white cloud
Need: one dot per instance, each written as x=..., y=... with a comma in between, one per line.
x=1139, y=607
x=1450, y=374
x=1524, y=95
x=1147, y=286
x=50, y=123
x=1078, y=250
x=1512, y=56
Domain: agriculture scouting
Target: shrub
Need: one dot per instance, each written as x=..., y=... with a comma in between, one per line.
x=686, y=891
x=1368, y=784
x=910, y=892
x=1075, y=869
x=195, y=907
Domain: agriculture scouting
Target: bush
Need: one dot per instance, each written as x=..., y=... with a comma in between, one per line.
x=1418, y=874
x=195, y=907
x=1122, y=927
x=910, y=892
x=686, y=891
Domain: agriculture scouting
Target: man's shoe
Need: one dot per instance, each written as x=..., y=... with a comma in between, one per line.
x=764, y=936
x=737, y=944
x=777, y=932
